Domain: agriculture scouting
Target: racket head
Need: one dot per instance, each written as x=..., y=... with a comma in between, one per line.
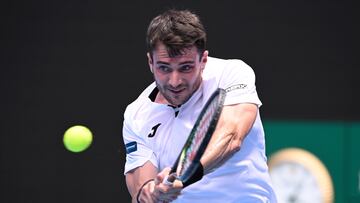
x=199, y=137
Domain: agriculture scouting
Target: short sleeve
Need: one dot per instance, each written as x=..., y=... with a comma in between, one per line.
x=238, y=80
x=137, y=150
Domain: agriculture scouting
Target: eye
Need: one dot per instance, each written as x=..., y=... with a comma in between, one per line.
x=186, y=68
x=164, y=68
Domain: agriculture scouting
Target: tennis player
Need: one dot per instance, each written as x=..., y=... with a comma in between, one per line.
x=157, y=123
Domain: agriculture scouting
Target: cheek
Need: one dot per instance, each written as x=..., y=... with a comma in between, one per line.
x=194, y=78
x=160, y=79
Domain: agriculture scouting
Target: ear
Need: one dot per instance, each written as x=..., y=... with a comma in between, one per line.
x=150, y=62
x=204, y=58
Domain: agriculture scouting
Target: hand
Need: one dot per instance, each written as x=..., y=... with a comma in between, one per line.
x=166, y=192
x=156, y=191
x=145, y=193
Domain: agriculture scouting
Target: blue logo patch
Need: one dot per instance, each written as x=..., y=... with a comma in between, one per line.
x=131, y=147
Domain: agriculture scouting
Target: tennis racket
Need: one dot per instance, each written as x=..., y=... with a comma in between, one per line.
x=188, y=161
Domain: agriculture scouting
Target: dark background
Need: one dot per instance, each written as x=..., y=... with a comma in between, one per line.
x=81, y=62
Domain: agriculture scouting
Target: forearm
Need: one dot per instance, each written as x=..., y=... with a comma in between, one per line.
x=137, y=177
x=146, y=185
x=219, y=151
x=233, y=126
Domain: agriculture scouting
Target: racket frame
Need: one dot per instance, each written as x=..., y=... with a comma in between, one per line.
x=220, y=93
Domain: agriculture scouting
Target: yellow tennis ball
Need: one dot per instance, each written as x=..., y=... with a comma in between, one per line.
x=77, y=138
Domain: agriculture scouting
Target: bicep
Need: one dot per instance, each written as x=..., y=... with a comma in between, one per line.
x=136, y=177
x=236, y=120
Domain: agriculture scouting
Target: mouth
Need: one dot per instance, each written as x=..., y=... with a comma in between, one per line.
x=176, y=91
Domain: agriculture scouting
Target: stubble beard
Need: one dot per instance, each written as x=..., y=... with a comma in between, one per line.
x=171, y=101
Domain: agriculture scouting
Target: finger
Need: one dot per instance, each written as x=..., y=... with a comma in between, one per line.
x=165, y=171
x=146, y=193
x=178, y=184
x=169, y=198
x=161, y=176
x=169, y=194
x=170, y=187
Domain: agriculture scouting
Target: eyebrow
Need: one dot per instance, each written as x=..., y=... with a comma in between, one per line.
x=182, y=63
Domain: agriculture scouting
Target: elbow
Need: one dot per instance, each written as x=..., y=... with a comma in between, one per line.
x=235, y=146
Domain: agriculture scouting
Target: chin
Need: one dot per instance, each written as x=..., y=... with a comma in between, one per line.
x=176, y=103
x=182, y=101
x=177, y=99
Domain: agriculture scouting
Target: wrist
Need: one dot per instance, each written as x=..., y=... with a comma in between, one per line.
x=141, y=188
x=198, y=174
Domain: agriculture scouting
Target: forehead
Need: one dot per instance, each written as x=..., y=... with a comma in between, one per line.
x=160, y=53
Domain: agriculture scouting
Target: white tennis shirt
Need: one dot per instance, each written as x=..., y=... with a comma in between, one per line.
x=157, y=132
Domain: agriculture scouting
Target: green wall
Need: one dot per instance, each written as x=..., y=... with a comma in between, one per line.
x=336, y=144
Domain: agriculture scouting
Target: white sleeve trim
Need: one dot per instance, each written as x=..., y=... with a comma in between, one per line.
x=240, y=84
x=140, y=162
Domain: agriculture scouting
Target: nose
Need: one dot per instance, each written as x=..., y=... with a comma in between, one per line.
x=175, y=79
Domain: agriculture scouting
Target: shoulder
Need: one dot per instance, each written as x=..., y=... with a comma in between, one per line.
x=217, y=65
x=213, y=61
x=227, y=70
x=139, y=104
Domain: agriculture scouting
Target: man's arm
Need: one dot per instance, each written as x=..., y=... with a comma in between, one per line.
x=152, y=191
x=234, y=124
x=137, y=177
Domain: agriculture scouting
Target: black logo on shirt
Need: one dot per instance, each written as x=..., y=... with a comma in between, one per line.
x=153, y=130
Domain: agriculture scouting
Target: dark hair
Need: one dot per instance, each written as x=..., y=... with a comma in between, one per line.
x=177, y=30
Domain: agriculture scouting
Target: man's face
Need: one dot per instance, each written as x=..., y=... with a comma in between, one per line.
x=177, y=78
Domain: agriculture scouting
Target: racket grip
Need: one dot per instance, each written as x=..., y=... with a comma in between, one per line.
x=169, y=179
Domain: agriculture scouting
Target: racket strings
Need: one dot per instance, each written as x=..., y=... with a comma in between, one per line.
x=198, y=135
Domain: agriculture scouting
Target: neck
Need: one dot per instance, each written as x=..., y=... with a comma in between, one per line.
x=160, y=99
